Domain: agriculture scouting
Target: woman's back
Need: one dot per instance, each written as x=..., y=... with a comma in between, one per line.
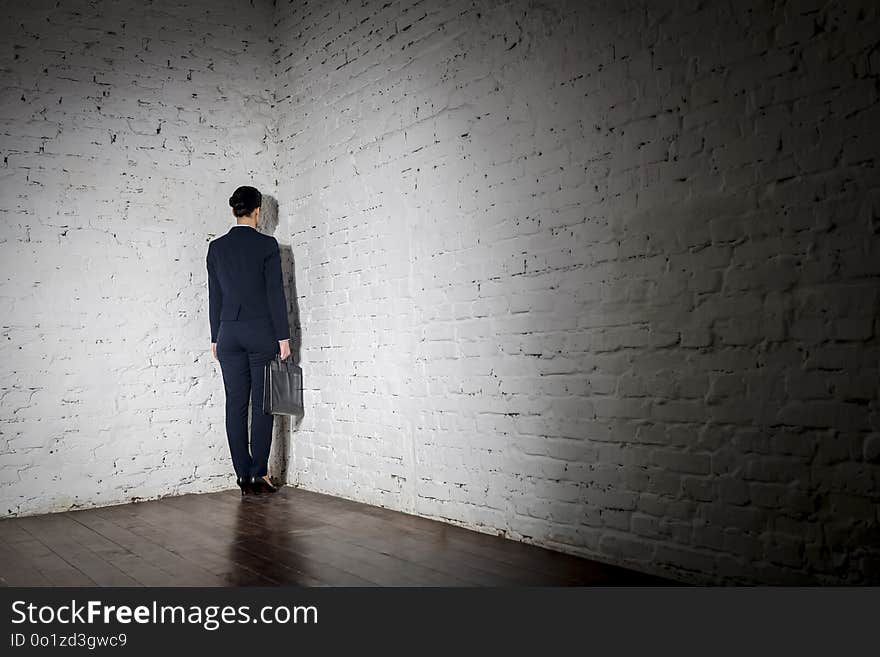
x=244, y=268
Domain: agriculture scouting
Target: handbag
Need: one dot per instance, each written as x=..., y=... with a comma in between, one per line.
x=282, y=387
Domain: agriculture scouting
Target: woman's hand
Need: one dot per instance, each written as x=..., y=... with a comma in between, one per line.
x=214, y=349
x=285, y=349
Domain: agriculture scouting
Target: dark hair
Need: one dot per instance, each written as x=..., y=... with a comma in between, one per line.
x=244, y=200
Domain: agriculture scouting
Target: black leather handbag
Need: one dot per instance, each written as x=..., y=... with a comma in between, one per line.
x=282, y=387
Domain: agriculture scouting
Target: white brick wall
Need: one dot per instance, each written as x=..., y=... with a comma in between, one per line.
x=125, y=129
x=596, y=278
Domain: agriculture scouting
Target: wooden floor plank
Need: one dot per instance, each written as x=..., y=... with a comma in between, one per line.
x=203, y=537
x=292, y=538
x=17, y=570
x=173, y=569
x=359, y=533
x=256, y=536
x=268, y=547
x=382, y=532
x=196, y=561
x=54, y=530
x=52, y=567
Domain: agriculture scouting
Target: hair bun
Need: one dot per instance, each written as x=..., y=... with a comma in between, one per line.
x=245, y=200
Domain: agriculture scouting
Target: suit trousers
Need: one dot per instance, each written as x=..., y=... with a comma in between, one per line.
x=244, y=346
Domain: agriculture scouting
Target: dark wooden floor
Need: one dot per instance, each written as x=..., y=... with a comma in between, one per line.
x=294, y=537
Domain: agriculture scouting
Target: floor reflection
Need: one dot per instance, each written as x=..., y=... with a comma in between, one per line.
x=264, y=546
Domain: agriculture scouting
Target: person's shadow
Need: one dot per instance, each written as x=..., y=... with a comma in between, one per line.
x=281, y=453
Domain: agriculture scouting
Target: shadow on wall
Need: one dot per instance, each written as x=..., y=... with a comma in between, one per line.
x=726, y=430
x=672, y=360
x=706, y=366
x=281, y=453
x=736, y=425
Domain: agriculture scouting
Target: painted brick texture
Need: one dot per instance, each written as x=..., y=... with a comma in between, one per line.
x=125, y=128
x=599, y=276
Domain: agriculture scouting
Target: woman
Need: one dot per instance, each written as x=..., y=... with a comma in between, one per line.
x=248, y=314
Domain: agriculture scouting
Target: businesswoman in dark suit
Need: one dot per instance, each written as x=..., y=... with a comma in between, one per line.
x=248, y=315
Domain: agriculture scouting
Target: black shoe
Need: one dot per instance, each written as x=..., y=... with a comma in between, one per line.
x=245, y=486
x=262, y=487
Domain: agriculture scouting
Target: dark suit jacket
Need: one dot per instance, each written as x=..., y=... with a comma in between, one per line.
x=245, y=280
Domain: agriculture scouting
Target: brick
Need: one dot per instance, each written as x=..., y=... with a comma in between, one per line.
x=624, y=547
x=682, y=461
x=691, y=559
